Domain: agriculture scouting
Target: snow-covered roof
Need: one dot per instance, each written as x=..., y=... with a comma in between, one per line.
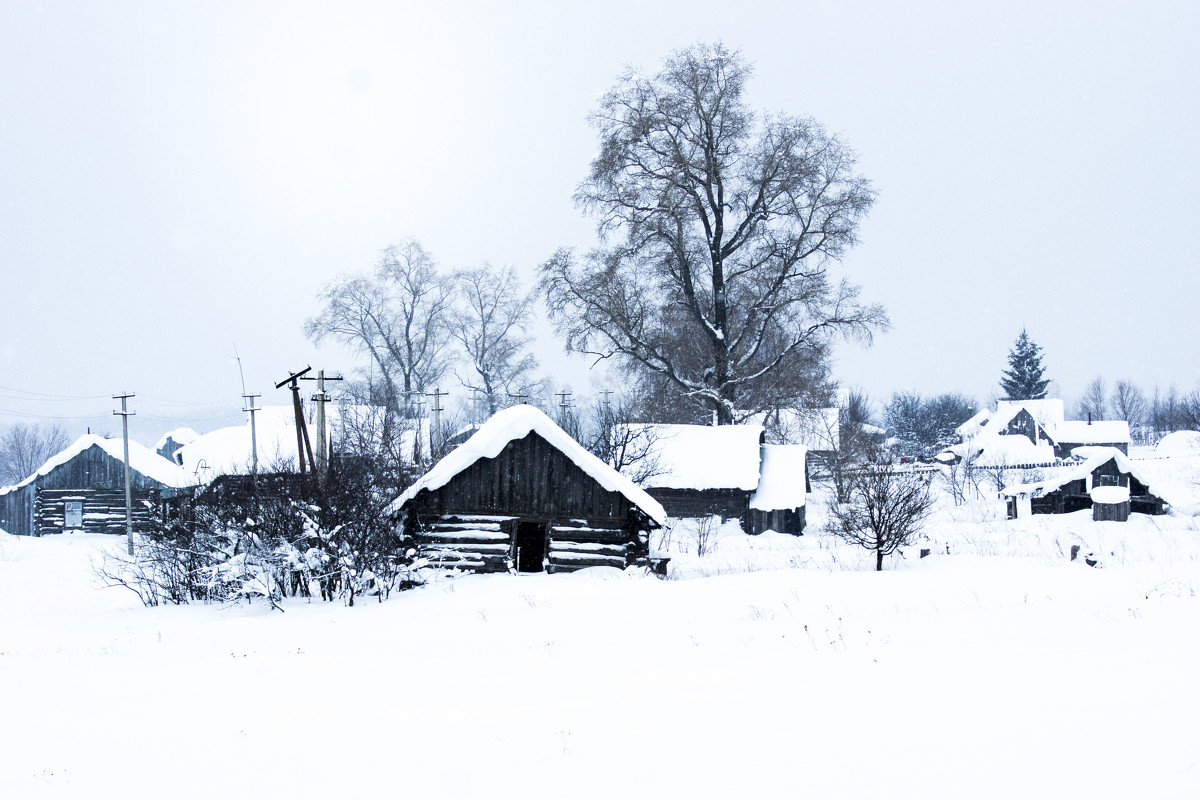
x=227, y=451
x=180, y=436
x=985, y=434
x=1179, y=443
x=972, y=426
x=141, y=459
x=705, y=457
x=1048, y=412
x=1098, y=432
x=516, y=423
x=781, y=482
x=1000, y=451
x=1097, y=457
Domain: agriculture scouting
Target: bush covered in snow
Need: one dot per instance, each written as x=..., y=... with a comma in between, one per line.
x=293, y=540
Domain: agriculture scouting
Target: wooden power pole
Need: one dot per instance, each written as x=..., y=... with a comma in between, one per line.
x=302, y=444
x=321, y=465
x=125, y=414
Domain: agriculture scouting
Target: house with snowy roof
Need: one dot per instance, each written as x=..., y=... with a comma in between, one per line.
x=1106, y=477
x=728, y=471
x=1027, y=432
x=82, y=488
x=522, y=495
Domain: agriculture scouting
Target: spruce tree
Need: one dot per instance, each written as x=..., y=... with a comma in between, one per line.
x=1023, y=378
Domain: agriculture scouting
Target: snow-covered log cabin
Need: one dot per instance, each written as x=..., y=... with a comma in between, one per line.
x=1086, y=484
x=522, y=495
x=82, y=488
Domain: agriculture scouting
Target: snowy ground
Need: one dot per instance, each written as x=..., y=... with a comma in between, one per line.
x=770, y=666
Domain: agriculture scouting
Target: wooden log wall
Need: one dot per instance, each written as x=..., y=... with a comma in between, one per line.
x=698, y=503
x=485, y=543
x=780, y=520
x=476, y=543
x=577, y=543
x=103, y=510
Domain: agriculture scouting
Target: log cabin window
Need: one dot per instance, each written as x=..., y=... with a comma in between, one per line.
x=73, y=514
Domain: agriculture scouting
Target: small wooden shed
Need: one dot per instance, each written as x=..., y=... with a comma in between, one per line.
x=779, y=501
x=1073, y=488
x=704, y=470
x=82, y=488
x=522, y=495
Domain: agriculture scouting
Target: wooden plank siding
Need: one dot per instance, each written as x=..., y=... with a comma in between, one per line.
x=694, y=503
x=472, y=521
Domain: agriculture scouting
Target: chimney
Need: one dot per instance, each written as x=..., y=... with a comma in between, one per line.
x=1089, y=418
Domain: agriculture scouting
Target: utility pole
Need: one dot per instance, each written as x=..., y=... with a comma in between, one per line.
x=437, y=395
x=416, y=402
x=302, y=446
x=249, y=398
x=125, y=414
x=321, y=466
x=520, y=397
x=564, y=404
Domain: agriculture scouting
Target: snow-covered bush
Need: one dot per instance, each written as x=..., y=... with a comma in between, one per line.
x=286, y=538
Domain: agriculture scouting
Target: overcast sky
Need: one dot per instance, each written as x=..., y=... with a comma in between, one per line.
x=180, y=179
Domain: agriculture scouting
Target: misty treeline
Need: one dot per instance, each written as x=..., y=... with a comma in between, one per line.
x=1151, y=415
x=25, y=447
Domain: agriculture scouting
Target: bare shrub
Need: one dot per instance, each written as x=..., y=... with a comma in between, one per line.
x=885, y=510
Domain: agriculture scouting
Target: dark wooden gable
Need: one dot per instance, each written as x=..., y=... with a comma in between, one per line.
x=94, y=468
x=530, y=478
x=1023, y=424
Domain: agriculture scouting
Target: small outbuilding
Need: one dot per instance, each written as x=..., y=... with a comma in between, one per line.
x=82, y=488
x=1085, y=484
x=779, y=500
x=704, y=470
x=522, y=495
x=728, y=471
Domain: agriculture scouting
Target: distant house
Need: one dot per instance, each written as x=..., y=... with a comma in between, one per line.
x=83, y=489
x=173, y=440
x=1083, y=485
x=729, y=471
x=1023, y=432
x=522, y=495
x=1071, y=434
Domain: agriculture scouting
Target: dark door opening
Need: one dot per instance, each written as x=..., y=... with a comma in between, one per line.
x=531, y=547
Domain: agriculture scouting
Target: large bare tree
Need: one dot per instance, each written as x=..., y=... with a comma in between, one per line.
x=491, y=317
x=719, y=228
x=397, y=314
x=24, y=448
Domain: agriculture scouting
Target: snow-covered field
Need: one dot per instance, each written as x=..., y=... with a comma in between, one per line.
x=770, y=666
